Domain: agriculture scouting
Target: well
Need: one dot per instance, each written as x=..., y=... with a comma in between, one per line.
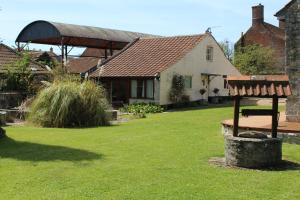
x=252, y=149
x=252, y=152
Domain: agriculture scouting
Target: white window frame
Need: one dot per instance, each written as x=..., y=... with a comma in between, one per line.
x=209, y=53
x=190, y=84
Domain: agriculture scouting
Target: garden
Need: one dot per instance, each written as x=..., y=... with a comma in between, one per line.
x=163, y=156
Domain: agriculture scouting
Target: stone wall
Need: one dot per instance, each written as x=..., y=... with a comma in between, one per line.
x=292, y=17
x=252, y=152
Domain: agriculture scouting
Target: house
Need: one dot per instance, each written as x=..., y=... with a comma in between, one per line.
x=83, y=65
x=265, y=34
x=48, y=58
x=144, y=69
x=8, y=56
x=290, y=16
x=87, y=63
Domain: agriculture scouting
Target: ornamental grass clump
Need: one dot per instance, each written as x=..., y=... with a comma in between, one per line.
x=70, y=103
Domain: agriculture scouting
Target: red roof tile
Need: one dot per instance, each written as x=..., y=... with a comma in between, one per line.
x=259, y=86
x=82, y=65
x=9, y=56
x=92, y=52
x=148, y=56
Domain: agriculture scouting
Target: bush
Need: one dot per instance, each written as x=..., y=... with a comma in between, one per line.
x=18, y=76
x=138, y=108
x=69, y=103
x=177, y=89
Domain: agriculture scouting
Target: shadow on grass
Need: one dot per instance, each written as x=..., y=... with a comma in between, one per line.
x=26, y=151
x=285, y=165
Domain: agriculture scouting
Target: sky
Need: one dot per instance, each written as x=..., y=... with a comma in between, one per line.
x=228, y=18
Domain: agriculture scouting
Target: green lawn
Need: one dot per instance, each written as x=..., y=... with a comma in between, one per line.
x=164, y=156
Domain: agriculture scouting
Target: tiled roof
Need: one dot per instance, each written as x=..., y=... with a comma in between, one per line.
x=92, y=52
x=148, y=56
x=82, y=65
x=37, y=54
x=9, y=56
x=259, y=86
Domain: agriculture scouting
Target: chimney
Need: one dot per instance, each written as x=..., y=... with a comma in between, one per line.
x=51, y=49
x=257, y=15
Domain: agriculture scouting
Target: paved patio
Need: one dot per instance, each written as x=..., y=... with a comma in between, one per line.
x=263, y=123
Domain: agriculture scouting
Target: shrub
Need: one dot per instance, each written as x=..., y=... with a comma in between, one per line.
x=177, y=89
x=69, y=103
x=18, y=76
x=138, y=108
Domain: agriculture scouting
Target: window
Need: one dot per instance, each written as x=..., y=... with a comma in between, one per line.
x=133, y=88
x=188, y=82
x=141, y=89
x=209, y=53
x=150, y=91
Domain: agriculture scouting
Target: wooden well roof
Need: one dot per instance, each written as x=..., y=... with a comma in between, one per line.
x=259, y=86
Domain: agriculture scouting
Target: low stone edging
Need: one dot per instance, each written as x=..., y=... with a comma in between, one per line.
x=291, y=138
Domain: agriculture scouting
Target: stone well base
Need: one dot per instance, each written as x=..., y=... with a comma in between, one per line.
x=252, y=153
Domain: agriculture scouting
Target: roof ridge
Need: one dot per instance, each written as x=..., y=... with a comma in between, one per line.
x=171, y=37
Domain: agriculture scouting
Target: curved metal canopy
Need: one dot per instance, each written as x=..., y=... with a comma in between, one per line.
x=53, y=33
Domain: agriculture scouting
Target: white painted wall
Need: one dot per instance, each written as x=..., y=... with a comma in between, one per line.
x=194, y=64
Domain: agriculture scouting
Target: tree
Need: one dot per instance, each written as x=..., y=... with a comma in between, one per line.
x=228, y=49
x=18, y=76
x=177, y=88
x=255, y=60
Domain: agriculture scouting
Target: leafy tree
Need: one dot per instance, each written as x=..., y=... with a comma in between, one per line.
x=255, y=59
x=228, y=49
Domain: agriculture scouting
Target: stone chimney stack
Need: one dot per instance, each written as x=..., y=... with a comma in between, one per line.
x=257, y=15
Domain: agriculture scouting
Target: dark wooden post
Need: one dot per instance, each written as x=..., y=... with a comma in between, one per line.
x=111, y=49
x=66, y=54
x=105, y=54
x=275, y=117
x=236, y=116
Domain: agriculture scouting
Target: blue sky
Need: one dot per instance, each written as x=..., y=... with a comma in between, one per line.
x=161, y=17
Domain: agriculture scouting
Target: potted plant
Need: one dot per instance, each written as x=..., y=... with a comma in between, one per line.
x=202, y=92
x=216, y=98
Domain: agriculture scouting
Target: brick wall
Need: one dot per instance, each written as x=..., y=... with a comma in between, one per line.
x=266, y=35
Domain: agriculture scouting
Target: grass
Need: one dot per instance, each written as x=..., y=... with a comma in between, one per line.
x=164, y=156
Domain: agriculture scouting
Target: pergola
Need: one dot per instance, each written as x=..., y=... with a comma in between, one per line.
x=65, y=35
x=262, y=86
